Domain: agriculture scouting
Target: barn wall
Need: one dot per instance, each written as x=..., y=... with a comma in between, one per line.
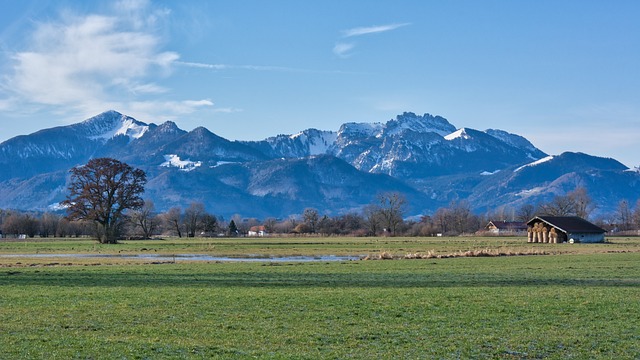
x=586, y=238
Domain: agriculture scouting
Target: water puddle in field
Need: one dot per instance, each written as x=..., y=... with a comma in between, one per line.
x=188, y=257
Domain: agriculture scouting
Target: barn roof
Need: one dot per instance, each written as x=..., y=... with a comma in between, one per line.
x=569, y=224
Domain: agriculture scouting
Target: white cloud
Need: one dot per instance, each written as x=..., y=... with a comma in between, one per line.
x=82, y=65
x=343, y=49
x=371, y=29
x=77, y=60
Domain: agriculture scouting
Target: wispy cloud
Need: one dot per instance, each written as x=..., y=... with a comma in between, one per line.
x=82, y=62
x=344, y=49
x=6, y=104
x=172, y=108
x=254, y=68
x=372, y=29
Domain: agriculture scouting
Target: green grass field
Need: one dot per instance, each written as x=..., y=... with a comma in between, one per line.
x=581, y=302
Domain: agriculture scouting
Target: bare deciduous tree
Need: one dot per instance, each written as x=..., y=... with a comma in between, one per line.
x=172, y=219
x=310, y=217
x=270, y=224
x=20, y=224
x=145, y=219
x=582, y=204
x=442, y=220
x=49, y=224
x=636, y=215
x=624, y=215
x=559, y=206
x=193, y=218
x=373, y=219
x=392, y=206
x=526, y=212
x=102, y=191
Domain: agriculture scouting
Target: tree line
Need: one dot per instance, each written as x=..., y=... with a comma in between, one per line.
x=384, y=217
x=105, y=201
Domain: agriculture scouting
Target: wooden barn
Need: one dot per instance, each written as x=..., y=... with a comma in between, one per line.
x=506, y=227
x=558, y=229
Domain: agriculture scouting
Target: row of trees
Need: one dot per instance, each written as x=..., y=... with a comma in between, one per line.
x=384, y=217
x=105, y=200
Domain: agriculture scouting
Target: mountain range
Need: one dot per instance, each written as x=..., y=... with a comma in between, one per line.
x=424, y=157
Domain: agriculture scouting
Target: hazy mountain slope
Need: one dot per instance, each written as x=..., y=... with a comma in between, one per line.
x=605, y=179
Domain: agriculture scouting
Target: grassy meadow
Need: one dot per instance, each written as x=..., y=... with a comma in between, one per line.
x=580, y=301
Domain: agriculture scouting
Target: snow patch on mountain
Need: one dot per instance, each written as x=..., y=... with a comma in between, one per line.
x=531, y=192
x=173, y=160
x=318, y=142
x=129, y=127
x=111, y=123
x=487, y=173
x=57, y=207
x=220, y=163
x=537, y=162
x=458, y=134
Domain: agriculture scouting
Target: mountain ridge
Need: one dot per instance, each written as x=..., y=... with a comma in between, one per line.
x=425, y=157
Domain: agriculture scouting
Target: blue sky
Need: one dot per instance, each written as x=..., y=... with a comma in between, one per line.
x=564, y=74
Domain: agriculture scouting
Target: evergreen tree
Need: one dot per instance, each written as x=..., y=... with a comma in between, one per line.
x=233, y=229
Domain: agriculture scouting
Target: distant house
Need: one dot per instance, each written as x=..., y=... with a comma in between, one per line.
x=258, y=231
x=557, y=229
x=506, y=227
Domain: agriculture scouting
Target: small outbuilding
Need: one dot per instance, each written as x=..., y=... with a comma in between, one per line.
x=558, y=229
x=259, y=231
x=506, y=227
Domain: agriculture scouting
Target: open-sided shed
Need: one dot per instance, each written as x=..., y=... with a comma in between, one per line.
x=557, y=229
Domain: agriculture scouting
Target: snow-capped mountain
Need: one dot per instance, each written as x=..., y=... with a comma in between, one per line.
x=305, y=143
x=425, y=157
x=109, y=125
x=409, y=146
x=65, y=146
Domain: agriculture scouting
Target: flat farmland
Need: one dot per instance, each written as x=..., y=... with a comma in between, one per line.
x=578, y=301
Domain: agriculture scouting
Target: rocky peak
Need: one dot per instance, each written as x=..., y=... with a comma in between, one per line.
x=422, y=124
x=169, y=127
x=109, y=124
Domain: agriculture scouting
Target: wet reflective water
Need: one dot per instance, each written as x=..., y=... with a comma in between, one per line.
x=189, y=257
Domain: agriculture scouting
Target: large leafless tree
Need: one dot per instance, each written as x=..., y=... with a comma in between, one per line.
x=391, y=206
x=102, y=191
x=574, y=203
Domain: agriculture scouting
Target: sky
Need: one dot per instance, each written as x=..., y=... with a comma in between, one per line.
x=565, y=74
